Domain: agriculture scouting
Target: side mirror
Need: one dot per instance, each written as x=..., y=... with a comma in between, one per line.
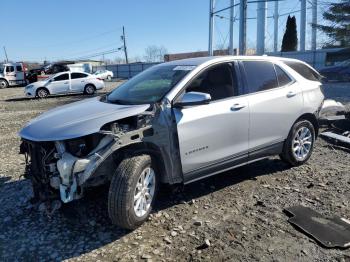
x=193, y=99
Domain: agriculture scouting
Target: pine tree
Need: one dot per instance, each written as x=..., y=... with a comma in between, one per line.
x=290, y=38
x=338, y=28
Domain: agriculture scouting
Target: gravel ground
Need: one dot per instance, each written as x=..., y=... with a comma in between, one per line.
x=237, y=215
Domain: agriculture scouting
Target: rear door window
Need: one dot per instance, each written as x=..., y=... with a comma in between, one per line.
x=78, y=75
x=19, y=68
x=260, y=76
x=282, y=77
x=303, y=70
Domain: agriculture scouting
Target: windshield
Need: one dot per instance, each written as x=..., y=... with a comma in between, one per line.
x=98, y=72
x=149, y=86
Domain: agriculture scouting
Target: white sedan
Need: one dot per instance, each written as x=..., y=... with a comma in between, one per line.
x=104, y=74
x=65, y=83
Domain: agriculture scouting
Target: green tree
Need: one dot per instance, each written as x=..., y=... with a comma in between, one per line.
x=338, y=26
x=290, y=38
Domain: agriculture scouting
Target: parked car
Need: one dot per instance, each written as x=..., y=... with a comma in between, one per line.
x=12, y=74
x=46, y=71
x=339, y=72
x=104, y=74
x=176, y=122
x=64, y=83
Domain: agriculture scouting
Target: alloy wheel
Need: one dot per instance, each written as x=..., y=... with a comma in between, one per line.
x=302, y=143
x=144, y=192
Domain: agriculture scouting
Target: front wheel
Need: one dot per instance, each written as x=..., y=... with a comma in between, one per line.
x=42, y=93
x=3, y=83
x=299, y=144
x=132, y=192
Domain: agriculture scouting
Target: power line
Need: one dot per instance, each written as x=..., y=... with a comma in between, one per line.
x=90, y=36
x=99, y=54
x=91, y=50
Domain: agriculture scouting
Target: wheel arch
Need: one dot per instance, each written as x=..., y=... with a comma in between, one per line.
x=312, y=118
x=140, y=149
x=2, y=78
x=89, y=84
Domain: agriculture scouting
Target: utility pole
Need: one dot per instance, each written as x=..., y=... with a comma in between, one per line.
x=242, y=26
x=314, y=28
x=7, y=59
x=261, y=26
x=275, y=27
x=125, y=49
x=232, y=21
x=211, y=27
x=302, y=25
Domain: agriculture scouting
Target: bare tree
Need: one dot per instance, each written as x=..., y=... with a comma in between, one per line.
x=118, y=60
x=155, y=53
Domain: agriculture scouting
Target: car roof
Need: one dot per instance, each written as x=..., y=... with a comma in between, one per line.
x=213, y=59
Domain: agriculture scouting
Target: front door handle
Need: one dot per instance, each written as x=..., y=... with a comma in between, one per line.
x=237, y=107
x=291, y=94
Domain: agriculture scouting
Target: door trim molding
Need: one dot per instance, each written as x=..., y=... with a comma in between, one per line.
x=234, y=162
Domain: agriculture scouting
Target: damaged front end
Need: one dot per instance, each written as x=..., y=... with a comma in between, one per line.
x=58, y=170
x=61, y=170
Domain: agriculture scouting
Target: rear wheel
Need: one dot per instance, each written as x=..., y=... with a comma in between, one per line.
x=132, y=192
x=89, y=89
x=42, y=93
x=299, y=144
x=3, y=83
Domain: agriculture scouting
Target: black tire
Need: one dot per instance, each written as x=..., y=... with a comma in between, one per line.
x=3, y=83
x=42, y=92
x=287, y=154
x=89, y=89
x=122, y=190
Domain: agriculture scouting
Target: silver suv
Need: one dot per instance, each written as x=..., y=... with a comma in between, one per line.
x=176, y=122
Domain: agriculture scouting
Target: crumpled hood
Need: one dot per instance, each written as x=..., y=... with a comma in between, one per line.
x=77, y=119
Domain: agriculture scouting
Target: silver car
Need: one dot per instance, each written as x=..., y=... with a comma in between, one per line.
x=176, y=122
x=65, y=83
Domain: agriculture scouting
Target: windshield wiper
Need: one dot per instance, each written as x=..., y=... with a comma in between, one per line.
x=118, y=101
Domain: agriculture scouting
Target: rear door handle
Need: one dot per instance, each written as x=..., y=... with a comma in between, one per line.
x=237, y=107
x=65, y=83
x=291, y=94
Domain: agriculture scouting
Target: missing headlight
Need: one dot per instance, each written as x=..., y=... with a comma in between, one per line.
x=82, y=146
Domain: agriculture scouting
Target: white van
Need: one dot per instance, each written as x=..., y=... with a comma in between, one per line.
x=12, y=74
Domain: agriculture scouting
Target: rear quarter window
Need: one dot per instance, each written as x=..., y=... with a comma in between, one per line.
x=303, y=70
x=282, y=77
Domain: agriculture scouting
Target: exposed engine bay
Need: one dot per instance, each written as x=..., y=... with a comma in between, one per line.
x=61, y=170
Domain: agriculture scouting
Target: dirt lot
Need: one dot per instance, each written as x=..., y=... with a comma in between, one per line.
x=239, y=212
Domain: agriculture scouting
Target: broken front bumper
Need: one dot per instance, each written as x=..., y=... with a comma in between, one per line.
x=57, y=174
